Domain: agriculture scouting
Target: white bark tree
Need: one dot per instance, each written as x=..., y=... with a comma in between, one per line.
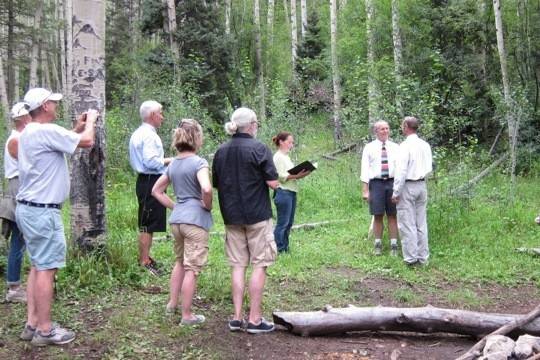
x=511, y=121
x=270, y=23
x=171, y=17
x=227, y=17
x=303, y=12
x=294, y=35
x=87, y=196
x=373, y=91
x=68, y=46
x=335, y=72
x=398, y=57
x=34, y=57
x=3, y=91
x=259, y=60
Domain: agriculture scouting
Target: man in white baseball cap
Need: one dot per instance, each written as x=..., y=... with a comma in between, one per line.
x=36, y=97
x=44, y=186
x=20, y=117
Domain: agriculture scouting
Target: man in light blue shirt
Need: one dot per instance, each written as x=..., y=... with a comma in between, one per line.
x=146, y=157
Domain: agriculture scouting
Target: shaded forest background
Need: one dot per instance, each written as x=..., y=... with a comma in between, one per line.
x=202, y=58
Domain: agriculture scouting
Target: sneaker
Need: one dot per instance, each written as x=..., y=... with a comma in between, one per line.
x=236, y=325
x=27, y=333
x=393, y=250
x=263, y=327
x=378, y=249
x=57, y=336
x=199, y=319
x=16, y=296
x=152, y=268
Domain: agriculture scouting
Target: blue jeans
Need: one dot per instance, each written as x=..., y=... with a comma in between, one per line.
x=285, y=201
x=15, y=256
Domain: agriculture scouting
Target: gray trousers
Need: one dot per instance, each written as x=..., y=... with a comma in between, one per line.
x=412, y=222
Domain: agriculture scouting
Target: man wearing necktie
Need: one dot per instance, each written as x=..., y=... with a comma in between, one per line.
x=413, y=165
x=377, y=176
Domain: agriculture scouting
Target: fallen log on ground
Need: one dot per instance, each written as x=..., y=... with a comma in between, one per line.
x=424, y=320
x=342, y=150
x=532, y=251
x=481, y=175
x=505, y=329
x=306, y=226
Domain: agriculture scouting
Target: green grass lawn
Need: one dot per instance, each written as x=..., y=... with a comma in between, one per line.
x=119, y=308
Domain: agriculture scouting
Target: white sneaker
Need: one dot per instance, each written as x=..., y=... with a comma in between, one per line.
x=57, y=336
x=16, y=296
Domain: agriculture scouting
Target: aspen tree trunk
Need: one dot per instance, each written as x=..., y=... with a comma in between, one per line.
x=68, y=6
x=270, y=23
x=303, y=11
x=398, y=58
x=294, y=36
x=34, y=57
x=45, y=71
x=11, y=51
x=373, y=92
x=62, y=46
x=171, y=16
x=512, y=126
x=227, y=17
x=259, y=60
x=3, y=93
x=88, y=227
x=335, y=72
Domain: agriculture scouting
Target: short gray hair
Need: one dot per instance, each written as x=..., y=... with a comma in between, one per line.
x=379, y=123
x=149, y=107
x=240, y=120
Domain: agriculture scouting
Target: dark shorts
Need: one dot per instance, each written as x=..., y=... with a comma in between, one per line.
x=380, y=197
x=152, y=215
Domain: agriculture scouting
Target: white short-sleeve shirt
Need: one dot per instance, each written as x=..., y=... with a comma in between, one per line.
x=43, y=170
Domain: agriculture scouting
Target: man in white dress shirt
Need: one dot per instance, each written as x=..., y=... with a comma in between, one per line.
x=414, y=163
x=377, y=176
x=146, y=157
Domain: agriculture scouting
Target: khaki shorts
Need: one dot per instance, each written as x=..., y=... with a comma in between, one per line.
x=190, y=246
x=250, y=244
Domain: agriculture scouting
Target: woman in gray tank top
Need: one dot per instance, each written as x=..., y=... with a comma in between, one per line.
x=190, y=219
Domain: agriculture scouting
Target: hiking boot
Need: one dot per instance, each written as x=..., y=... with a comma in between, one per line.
x=199, y=319
x=16, y=296
x=393, y=250
x=27, y=333
x=378, y=249
x=263, y=327
x=236, y=325
x=57, y=336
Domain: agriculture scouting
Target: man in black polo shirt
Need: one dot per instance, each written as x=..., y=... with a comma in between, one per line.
x=242, y=172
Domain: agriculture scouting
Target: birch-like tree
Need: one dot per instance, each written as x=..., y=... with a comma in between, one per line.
x=36, y=43
x=398, y=57
x=171, y=18
x=335, y=72
x=259, y=60
x=227, y=17
x=3, y=91
x=88, y=224
x=294, y=35
x=373, y=91
x=303, y=12
x=270, y=23
x=510, y=119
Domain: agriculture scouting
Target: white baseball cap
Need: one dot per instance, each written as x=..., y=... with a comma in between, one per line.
x=38, y=96
x=19, y=109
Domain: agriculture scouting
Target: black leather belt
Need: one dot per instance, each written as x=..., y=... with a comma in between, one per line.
x=412, y=180
x=382, y=179
x=29, y=203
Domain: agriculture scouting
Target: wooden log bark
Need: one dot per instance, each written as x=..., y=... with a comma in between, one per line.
x=424, y=320
x=481, y=175
x=505, y=329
